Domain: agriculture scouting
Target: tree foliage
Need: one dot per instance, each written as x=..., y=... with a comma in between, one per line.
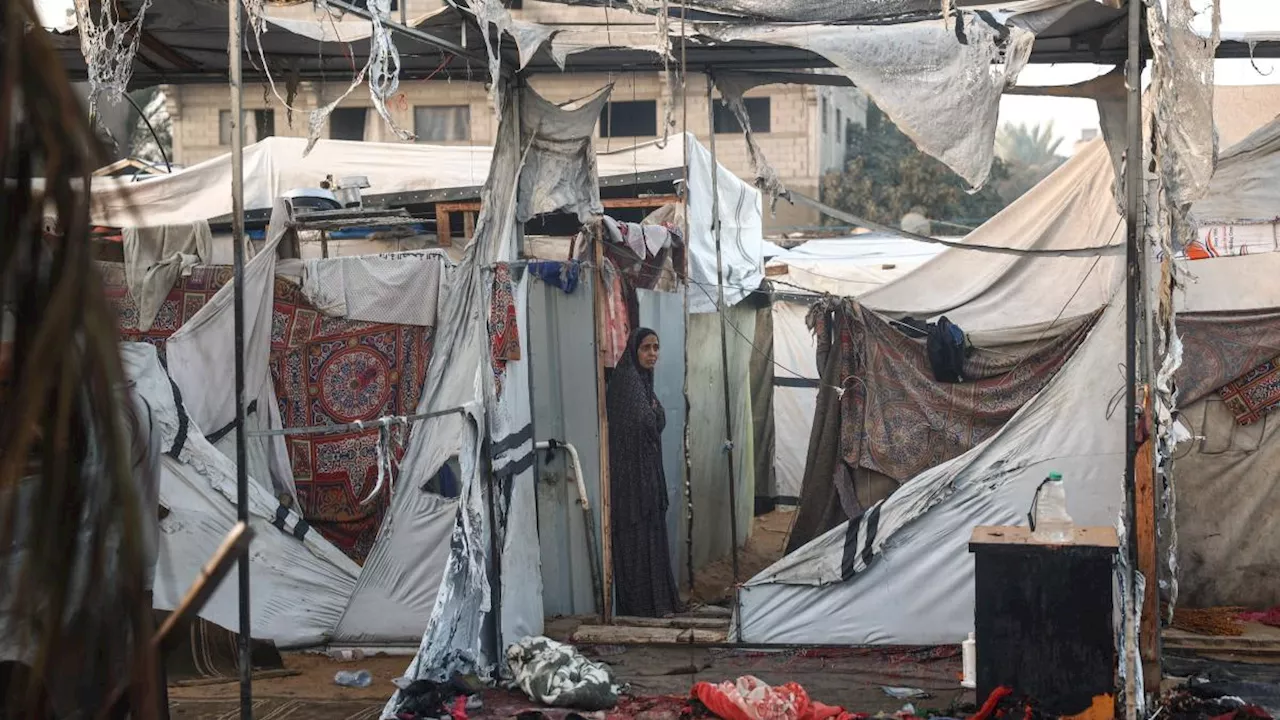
x=1030, y=152
x=886, y=176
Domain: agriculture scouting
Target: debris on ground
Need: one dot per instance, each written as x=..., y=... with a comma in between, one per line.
x=557, y=675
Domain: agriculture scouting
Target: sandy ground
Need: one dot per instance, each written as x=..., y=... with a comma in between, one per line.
x=766, y=546
x=851, y=678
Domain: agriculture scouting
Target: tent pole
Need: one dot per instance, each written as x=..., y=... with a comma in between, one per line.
x=1133, y=323
x=235, y=72
x=724, y=338
x=495, y=549
x=602, y=411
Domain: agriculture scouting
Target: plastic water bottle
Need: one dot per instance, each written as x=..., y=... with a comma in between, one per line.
x=353, y=678
x=1052, y=523
x=969, y=656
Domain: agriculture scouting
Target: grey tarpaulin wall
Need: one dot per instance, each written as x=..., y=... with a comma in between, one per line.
x=707, y=454
x=664, y=313
x=563, y=357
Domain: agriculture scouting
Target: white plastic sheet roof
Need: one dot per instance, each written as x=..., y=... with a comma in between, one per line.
x=277, y=165
x=851, y=266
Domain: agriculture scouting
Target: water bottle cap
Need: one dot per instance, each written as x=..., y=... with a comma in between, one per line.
x=1055, y=476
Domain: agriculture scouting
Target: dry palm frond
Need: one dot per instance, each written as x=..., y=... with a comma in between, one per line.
x=1217, y=621
x=72, y=604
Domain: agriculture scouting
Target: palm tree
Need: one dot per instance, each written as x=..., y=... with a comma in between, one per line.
x=71, y=547
x=1030, y=152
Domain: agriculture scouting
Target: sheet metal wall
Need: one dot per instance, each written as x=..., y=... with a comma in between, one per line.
x=664, y=313
x=563, y=370
x=707, y=457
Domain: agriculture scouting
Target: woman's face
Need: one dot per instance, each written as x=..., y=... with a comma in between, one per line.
x=648, y=352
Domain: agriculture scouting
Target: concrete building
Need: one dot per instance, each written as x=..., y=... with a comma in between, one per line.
x=801, y=129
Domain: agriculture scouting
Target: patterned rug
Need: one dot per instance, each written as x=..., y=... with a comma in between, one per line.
x=1253, y=394
x=332, y=371
x=188, y=295
x=326, y=371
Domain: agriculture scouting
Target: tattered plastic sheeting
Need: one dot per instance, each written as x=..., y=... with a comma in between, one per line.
x=737, y=205
x=847, y=11
x=301, y=583
x=154, y=257
x=201, y=356
x=515, y=477
x=109, y=43
x=559, y=163
x=1182, y=88
x=398, y=288
x=942, y=91
x=732, y=87
x=902, y=573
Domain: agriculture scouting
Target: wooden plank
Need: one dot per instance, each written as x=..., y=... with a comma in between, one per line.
x=623, y=635
x=444, y=235
x=452, y=207
x=468, y=226
x=606, y=521
x=1020, y=535
x=647, y=201
x=776, y=269
x=682, y=623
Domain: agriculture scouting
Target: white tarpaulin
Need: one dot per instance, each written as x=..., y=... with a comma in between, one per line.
x=1244, y=190
x=742, y=233
x=301, y=583
x=401, y=288
x=795, y=395
x=850, y=266
x=202, y=355
x=276, y=165
x=850, y=585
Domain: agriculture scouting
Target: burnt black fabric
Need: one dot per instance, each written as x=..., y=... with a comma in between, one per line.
x=645, y=585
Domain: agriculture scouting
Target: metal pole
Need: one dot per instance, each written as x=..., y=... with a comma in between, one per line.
x=684, y=301
x=234, y=57
x=724, y=338
x=1133, y=296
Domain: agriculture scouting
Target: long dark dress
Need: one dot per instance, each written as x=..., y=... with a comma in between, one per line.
x=645, y=585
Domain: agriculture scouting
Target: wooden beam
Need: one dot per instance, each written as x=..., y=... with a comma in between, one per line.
x=606, y=520
x=468, y=225
x=444, y=234
x=1148, y=555
x=648, y=201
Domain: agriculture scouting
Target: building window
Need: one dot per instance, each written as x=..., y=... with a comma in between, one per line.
x=442, y=123
x=633, y=118
x=347, y=124
x=758, y=113
x=839, y=121
x=257, y=125
x=824, y=116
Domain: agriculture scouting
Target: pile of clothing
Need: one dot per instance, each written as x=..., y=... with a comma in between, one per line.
x=431, y=700
x=750, y=698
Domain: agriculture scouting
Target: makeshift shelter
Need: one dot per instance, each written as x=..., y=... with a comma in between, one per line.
x=1238, y=215
x=844, y=267
x=895, y=569
x=357, y=494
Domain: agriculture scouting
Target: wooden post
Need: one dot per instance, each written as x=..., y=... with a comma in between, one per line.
x=606, y=519
x=1144, y=477
x=443, y=233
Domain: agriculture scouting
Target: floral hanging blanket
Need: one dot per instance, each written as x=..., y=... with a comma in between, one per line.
x=325, y=371
x=1255, y=393
x=334, y=371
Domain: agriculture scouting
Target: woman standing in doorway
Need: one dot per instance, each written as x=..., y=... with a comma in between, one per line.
x=645, y=584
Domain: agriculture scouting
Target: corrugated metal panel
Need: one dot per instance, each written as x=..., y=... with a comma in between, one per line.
x=664, y=313
x=563, y=371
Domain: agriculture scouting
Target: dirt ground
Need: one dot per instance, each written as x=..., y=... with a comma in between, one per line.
x=768, y=540
x=851, y=678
